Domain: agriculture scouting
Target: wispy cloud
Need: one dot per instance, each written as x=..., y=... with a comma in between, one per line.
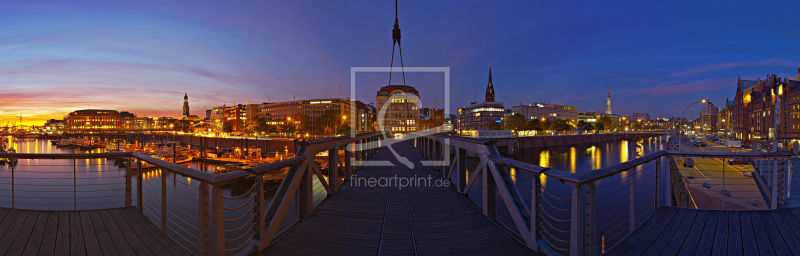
x=737, y=64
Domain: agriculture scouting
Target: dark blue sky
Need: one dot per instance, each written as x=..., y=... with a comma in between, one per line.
x=141, y=55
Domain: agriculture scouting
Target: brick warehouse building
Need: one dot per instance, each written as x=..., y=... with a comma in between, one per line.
x=752, y=112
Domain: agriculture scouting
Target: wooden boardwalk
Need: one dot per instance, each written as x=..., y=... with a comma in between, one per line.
x=120, y=231
x=683, y=231
x=417, y=220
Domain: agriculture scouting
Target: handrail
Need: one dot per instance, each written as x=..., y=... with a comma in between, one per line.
x=534, y=220
x=64, y=156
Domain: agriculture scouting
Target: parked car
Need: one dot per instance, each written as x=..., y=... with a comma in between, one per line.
x=740, y=160
x=688, y=163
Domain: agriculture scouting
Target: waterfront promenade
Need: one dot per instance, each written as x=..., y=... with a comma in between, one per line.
x=417, y=220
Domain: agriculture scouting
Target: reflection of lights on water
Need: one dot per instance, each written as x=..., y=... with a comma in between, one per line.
x=189, y=180
x=623, y=151
x=572, y=159
x=544, y=158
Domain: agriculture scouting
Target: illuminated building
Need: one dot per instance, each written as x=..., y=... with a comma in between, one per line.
x=548, y=111
x=708, y=118
x=432, y=119
x=397, y=111
x=479, y=115
x=92, y=120
x=753, y=110
x=644, y=117
x=589, y=116
x=278, y=113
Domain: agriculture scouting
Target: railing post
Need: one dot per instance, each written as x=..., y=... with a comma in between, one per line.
x=658, y=184
x=333, y=169
x=260, y=218
x=202, y=217
x=774, y=196
x=632, y=194
x=139, y=185
x=576, y=234
x=348, y=162
x=163, y=200
x=218, y=228
x=723, y=184
x=305, y=194
x=13, y=185
x=667, y=170
x=461, y=170
x=489, y=193
x=74, y=184
x=536, y=188
x=128, y=185
x=591, y=218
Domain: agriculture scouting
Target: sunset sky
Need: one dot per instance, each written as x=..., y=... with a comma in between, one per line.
x=59, y=56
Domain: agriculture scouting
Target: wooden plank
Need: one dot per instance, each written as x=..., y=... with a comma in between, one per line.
x=641, y=245
x=49, y=236
x=77, y=246
x=734, y=234
x=100, y=231
x=63, y=238
x=760, y=235
x=37, y=235
x=156, y=232
x=706, y=241
x=144, y=232
x=676, y=229
x=749, y=244
x=721, y=235
x=22, y=235
x=773, y=234
x=625, y=245
x=136, y=244
x=10, y=226
x=89, y=235
x=685, y=243
x=115, y=234
x=786, y=233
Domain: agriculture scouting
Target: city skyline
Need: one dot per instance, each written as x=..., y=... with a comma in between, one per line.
x=142, y=56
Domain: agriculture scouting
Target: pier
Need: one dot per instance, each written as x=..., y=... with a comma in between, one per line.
x=491, y=204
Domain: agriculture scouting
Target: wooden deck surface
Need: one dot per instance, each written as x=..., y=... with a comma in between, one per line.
x=683, y=231
x=120, y=231
x=417, y=220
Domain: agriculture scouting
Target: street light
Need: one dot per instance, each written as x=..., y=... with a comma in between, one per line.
x=680, y=137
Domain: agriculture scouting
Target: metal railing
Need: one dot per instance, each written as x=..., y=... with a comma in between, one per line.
x=237, y=212
x=576, y=213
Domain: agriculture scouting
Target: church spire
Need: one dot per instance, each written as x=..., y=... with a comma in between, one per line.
x=185, y=104
x=490, y=87
x=608, y=101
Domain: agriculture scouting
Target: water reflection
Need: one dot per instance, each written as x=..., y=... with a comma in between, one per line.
x=612, y=192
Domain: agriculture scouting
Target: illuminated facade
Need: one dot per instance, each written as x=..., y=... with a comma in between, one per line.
x=479, y=115
x=432, y=119
x=93, y=120
x=753, y=109
x=547, y=111
x=278, y=113
x=397, y=112
x=589, y=116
